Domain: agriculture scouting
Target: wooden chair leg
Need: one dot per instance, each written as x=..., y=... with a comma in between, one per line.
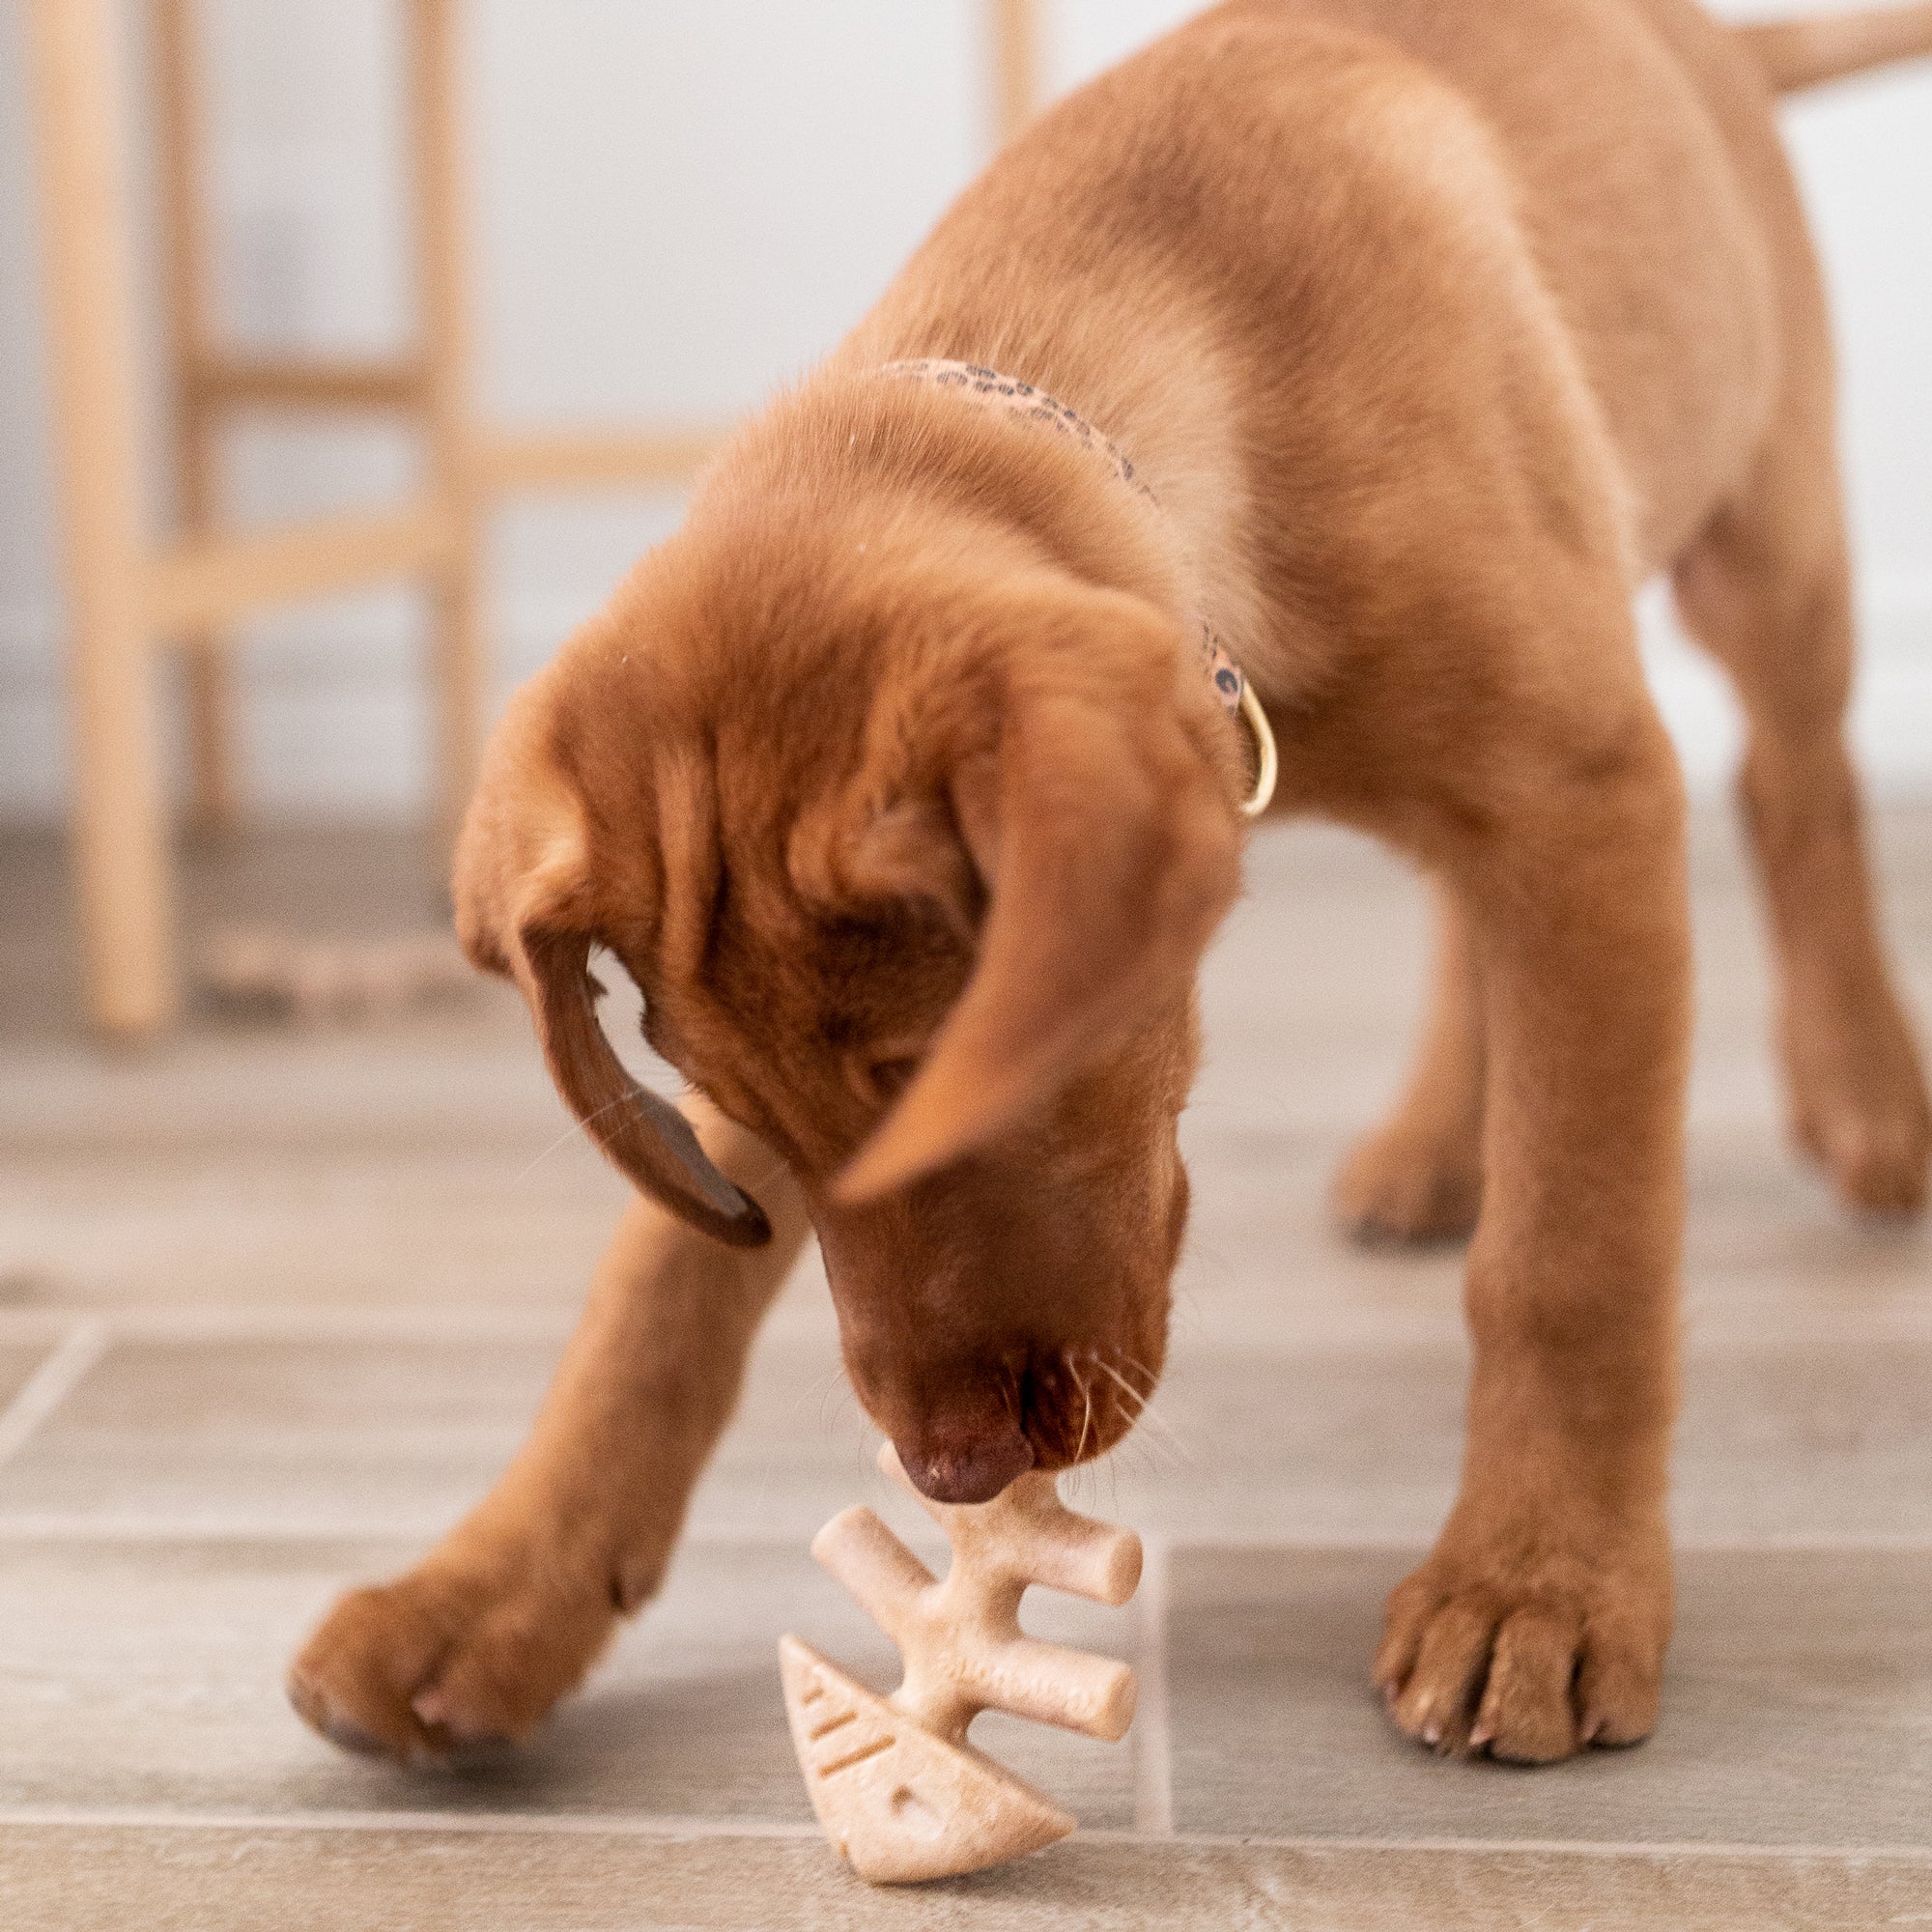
x=120, y=835
x=208, y=662
x=459, y=669
x=213, y=807
x=1017, y=62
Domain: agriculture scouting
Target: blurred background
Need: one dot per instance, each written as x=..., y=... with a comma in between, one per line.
x=673, y=206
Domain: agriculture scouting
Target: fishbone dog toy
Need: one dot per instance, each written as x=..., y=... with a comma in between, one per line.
x=897, y=1787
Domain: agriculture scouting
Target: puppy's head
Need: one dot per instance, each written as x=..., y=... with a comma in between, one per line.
x=912, y=843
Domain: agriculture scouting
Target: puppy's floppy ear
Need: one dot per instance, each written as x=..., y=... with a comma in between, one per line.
x=644, y=1136
x=1109, y=839
x=523, y=911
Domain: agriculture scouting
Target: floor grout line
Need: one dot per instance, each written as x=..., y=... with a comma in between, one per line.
x=676, y=1825
x=1590, y=1848
x=80, y=1527
x=1153, y=1737
x=219, y=1322
x=432, y=1324
x=481, y=1824
x=51, y=1385
x=106, y=1527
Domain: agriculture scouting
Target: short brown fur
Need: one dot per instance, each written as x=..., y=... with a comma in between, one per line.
x=1435, y=326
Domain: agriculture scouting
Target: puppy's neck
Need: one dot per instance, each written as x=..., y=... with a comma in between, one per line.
x=850, y=436
x=1158, y=382
x=1032, y=407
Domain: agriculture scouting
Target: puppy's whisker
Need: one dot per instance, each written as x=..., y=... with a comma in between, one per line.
x=1108, y=1369
x=1133, y=1407
x=1154, y=1384
x=758, y=1182
x=570, y=1133
x=1087, y=1401
x=1165, y=1430
x=1142, y=1415
x=1139, y=1455
x=834, y=1395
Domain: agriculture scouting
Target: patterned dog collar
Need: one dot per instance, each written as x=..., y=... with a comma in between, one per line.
x=1023, y=400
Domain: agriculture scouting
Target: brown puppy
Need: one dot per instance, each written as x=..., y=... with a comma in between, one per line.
x=1433, y=326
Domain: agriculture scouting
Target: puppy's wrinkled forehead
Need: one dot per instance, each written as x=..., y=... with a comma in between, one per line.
x=863, y=808
x=765, y=776
x=801, y=942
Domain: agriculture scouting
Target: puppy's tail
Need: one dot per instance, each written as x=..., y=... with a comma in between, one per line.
x=1797, y=54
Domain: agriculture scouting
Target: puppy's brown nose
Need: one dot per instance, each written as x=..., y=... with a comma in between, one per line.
x=959, y=1467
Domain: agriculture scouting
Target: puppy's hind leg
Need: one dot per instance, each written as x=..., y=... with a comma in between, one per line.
x=506, y=1614
x=1419, y=1175
x=1767, y=589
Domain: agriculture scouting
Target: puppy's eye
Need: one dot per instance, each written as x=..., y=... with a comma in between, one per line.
x=881, y=1078
x=891, y=1078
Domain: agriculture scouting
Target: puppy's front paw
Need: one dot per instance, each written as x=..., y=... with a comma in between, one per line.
x=1407, y=1184
x=445, y=1660
x=1527, y=1656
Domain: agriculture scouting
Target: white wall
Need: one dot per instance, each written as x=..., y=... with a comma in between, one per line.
x=679, y=203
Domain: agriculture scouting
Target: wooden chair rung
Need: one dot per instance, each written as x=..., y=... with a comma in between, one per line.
x=297, y=383
x=211, y=579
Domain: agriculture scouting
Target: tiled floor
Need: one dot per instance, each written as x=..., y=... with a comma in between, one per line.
x=274, y=1306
